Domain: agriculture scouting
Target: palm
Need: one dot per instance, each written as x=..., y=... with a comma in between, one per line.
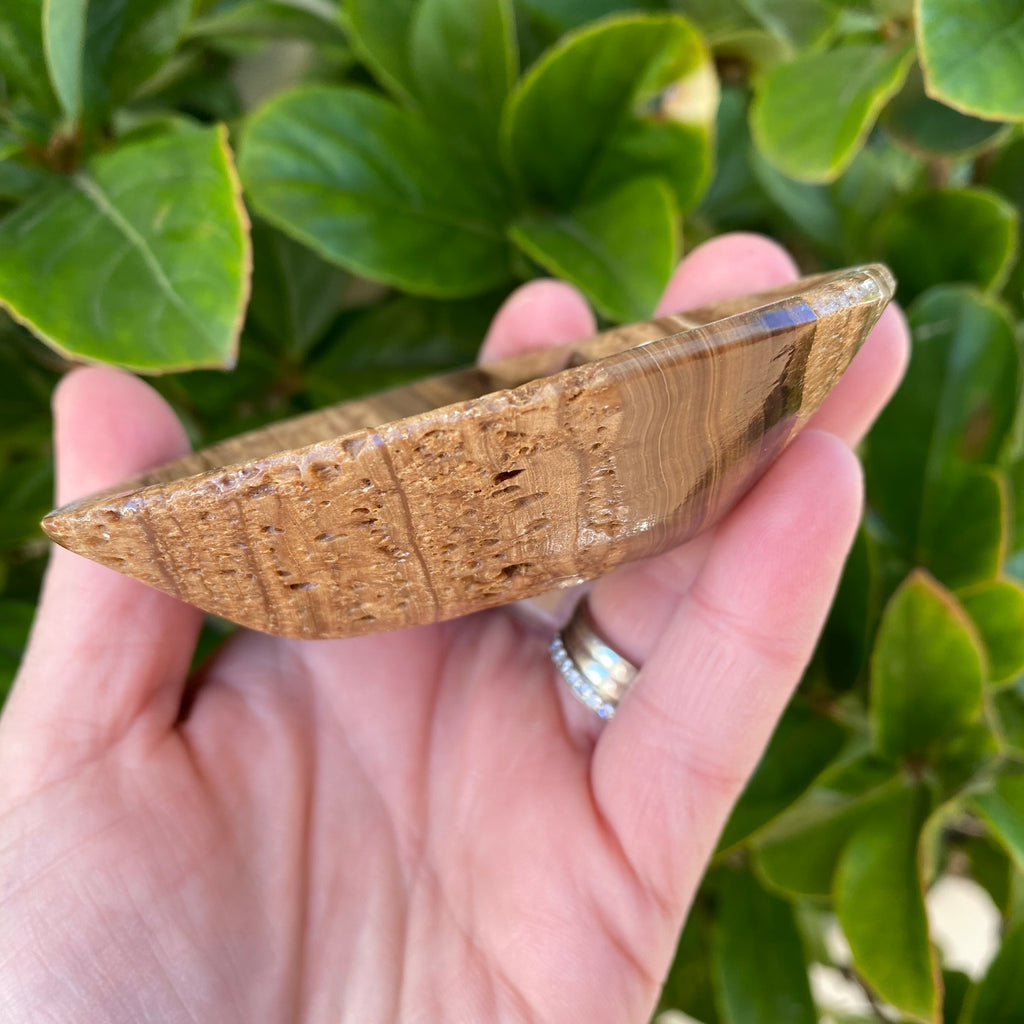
x=420, y=826
x=295, y=776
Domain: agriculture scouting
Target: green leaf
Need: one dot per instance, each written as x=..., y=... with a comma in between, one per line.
x=964, y=758
x=464, y=62
x=25, y=390
x=64, y=46
x=845, y=640
x=734, y=198
x=1002, y=809
x=22, y=60
x=955, y=986
x=803, y=743
x=926, y=126
x=1008, y=710
x=400, y=339
x=27, y=486
x=142, y=259
x=689, y=985
x=370, y=187
x=954, y=408
x=997, y=610
x=630, y=96
x=965, y=527
x=802, y=23
x=989, y=866
x=620, y=250
x=880, y=905
x=557, y=17
x=380, y=32
x=915, y=238
x=809, y=207
x=295, y=293
x=812, y=115
x=926, y=670
x=758, y=981
x=972, y=55
x=273, y=19
x=797, y=854
x=999, y=997
x=100, y=51
x=15, y=623
x=756, y=28
x=20, y=180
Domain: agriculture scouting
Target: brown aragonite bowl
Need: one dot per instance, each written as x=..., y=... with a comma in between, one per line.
x=490, y=484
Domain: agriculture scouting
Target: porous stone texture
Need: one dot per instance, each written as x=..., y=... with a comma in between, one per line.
x=490, y=484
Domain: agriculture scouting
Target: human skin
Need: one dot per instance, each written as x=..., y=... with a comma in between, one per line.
x=418, y=826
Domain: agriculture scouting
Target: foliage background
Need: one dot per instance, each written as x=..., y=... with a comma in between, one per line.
x=406, y=163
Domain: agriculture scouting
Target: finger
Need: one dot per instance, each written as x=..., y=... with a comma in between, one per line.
x=105, y=650
x=725, y=267
x=686, y=738
x=537, y=315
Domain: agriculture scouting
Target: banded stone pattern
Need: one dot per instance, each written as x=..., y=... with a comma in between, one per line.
x=490, y=484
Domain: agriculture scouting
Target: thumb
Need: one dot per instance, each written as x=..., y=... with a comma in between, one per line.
x=106, y=653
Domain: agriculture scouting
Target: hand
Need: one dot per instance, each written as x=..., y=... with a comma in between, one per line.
x=419, y=826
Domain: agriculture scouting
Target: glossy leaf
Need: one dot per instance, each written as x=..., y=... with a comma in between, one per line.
x=100, y=51
x=965, y=527
x=369, y=186
x=620, y=249
x=797, y=854
x=1008, y=710
x=380, y=32
x=971, y=55
x=997, y=611
x=845, y=642
x=295, y=293
x=274, y=19
x=64, y=47
x=914, y=239
x=955, y=986
x=25, y=389
x=761, y=27
x=141, y=260
x=809, y=207
x=1006, y=175
x=1002, y=809
x=734, y=197
x=954, y=408
x=464, y=62
x=20, y=180
x=930, y=127
x=803, y=743
x=626, y=97
x=989, y=866
x=758, y=981
x=964, y=758
x=15, y=622
x=999, y=997
x=926, y=670
x=879, y=172
x=811, y=115
x=689, y=985
x=22, y=60
x=27, y=486
x=403, y=338
x=880, y=905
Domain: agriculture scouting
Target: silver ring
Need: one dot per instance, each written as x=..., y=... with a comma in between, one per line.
x=596, y=673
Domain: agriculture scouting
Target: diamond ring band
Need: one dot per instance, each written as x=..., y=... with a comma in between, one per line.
x=596, y=673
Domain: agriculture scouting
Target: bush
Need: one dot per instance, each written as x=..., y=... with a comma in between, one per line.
x=406, y=163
